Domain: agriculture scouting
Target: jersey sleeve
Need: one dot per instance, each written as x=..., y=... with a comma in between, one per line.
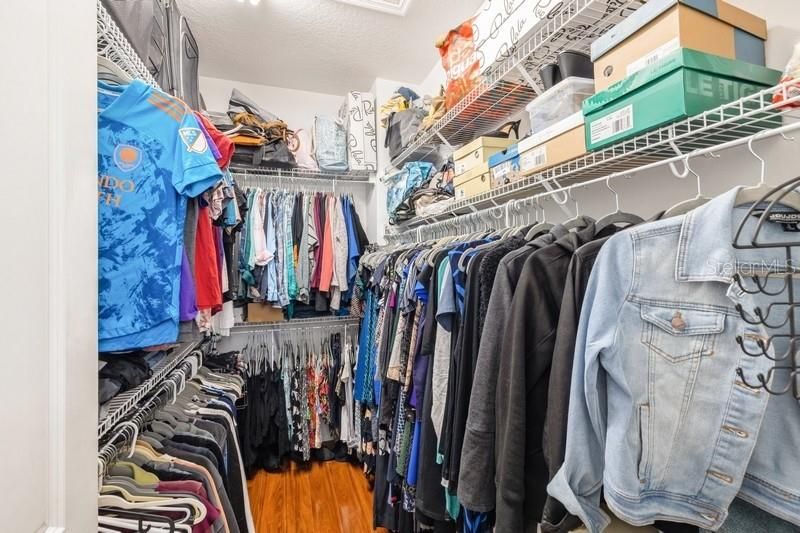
x=195, y=170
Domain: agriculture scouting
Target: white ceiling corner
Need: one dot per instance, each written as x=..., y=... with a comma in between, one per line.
x=327, y=46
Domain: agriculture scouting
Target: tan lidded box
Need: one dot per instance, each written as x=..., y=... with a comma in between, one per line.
x=478, y=151
x=474, y=181
x=557, y=144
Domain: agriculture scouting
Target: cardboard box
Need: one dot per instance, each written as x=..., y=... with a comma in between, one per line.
x=559, y=143
x=683, y=84
x=474, y=181
x=358, y=115
x=478, y=151
x=662, y=26
x=504, y=166
x=263, y=313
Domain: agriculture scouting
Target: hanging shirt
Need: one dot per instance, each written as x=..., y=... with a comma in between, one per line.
x=353, y=251
x=326, y=260
x=152, y=155
x=269, y=281
x=288, y=244
x=188, y=306
x=340, y=255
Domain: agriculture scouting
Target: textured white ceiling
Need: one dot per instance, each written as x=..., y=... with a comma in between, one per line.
x=319, y=45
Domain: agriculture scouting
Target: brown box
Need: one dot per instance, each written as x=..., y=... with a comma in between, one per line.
x=263, y=313
x=733, y=33
x=566, y=144
x=473, y=181
x=742, y=19
x=478, y=151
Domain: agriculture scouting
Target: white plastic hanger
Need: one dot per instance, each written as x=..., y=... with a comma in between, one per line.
x=170, y=505
x=575, y=221
x=542, y=226
x=684, y=207
x=617, y=216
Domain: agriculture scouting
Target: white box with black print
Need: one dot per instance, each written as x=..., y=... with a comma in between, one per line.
x=358, y=114
x=500, y=25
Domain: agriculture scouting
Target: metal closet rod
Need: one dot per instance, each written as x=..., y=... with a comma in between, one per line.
x=302, y=323
x=287, y=182
x=290, y=179
x=567, y=189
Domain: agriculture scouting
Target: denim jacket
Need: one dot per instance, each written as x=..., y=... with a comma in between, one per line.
x=658, y=417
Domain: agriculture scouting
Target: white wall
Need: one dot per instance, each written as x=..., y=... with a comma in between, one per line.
x=783, y=25
x=48, y=440
x=433, y=81
x=296, y=108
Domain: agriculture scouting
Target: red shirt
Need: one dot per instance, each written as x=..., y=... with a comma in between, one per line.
x=223, y=143
x=206, y=269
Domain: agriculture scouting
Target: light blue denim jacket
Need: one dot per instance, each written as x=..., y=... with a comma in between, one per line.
x=658, y=417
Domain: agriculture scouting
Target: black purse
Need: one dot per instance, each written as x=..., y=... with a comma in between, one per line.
x=273, y=154
x=278, y=155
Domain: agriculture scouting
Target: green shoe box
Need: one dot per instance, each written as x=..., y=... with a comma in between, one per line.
x=683, y=84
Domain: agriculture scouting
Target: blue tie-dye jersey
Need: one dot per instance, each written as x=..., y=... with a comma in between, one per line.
x=152, y=155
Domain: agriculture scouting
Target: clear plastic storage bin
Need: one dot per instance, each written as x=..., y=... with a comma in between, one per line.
x=559, y=102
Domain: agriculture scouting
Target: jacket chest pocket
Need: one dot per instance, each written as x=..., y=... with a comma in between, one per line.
x=680, y=334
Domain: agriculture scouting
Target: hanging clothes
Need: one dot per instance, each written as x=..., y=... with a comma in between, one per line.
x=295, y=403
x=511, y=376
x=187, y=453
x=298, y=248
x=152, y=157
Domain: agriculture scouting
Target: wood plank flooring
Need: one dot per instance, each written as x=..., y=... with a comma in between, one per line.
x=325, y=497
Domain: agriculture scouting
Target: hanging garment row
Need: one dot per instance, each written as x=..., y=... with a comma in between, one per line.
x=300, y=401
x=299, y=250
x=176, y=464
x=510, y=377
x=158, y=266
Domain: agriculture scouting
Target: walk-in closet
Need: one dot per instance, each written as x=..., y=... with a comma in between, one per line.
x=401, y=266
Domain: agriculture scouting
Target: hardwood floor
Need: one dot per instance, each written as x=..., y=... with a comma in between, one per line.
x=325, y=497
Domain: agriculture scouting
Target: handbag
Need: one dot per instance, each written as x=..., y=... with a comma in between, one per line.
x=302, y=146
x=273, y=154
x=403, y=128
x=330, y=144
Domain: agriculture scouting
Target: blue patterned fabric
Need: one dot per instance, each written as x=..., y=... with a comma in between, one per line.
x=152, y=155
x=400, y=185
x=363, y=364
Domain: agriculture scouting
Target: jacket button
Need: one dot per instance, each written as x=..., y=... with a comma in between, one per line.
x=677, y=321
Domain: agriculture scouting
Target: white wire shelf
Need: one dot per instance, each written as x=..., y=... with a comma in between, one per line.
x=121, y=405
x=355, y=176
x=113, y=45
x=742, y=118
x=513, y=83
